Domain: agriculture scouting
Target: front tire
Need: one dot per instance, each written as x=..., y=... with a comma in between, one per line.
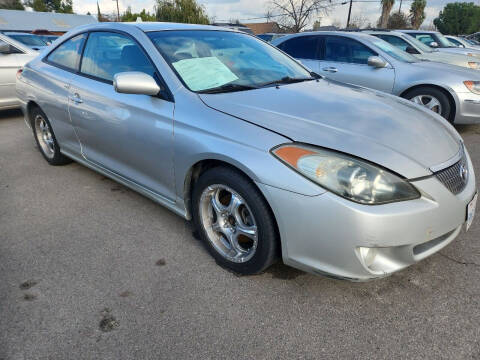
x=433, y=99
x=45, y=138
x=234, y=221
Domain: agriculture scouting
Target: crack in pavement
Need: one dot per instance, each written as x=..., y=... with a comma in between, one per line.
x=458, y=261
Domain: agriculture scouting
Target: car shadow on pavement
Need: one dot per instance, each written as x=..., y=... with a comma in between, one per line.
x=8, y=114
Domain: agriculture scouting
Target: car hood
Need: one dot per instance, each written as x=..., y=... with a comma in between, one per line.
x=443, y=69
x=392, y=132
x=451, y=58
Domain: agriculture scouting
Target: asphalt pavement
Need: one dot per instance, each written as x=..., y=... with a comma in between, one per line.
x=92, y=270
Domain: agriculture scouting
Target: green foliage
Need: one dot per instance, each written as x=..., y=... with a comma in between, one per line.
x=144, y=15
x=181, y=11
x=417, y=13
x=59, y=6
x=458, y=18
x=11, y=5
x=397, y=20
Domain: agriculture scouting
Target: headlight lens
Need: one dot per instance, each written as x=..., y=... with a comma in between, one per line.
x=474, y=65
x=473, y=86
x=346, y=176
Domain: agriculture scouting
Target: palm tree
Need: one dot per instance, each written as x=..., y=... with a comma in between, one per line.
x=386, y=8
x=417, y=13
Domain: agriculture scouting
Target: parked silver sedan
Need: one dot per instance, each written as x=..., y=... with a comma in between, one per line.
x=418, y=49
x=362, y=59
x=437, y=40
x=462, y=42
x=13, y=55
x=267, y=158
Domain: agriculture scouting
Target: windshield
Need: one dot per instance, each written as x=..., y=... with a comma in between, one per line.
x=29, y=40
x=443, y=41
x=393, y=51
x=418, y=44
x=209, y=59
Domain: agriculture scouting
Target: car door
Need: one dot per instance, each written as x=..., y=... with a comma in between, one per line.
x=128, y=134
x=11, y=59
x=303, y=49
x=346, y=60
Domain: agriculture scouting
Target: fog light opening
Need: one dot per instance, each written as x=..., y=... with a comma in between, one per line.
x=368, y=256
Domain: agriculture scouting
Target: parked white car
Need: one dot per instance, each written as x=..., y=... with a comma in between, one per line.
x=13, y=55
x=418, y=49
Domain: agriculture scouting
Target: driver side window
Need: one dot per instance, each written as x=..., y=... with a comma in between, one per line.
x=108, y=53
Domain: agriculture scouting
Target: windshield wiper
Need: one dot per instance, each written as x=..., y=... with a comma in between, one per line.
x=287, y=80
x=227, y=88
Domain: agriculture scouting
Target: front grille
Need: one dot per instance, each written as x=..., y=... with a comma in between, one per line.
x=455, y=177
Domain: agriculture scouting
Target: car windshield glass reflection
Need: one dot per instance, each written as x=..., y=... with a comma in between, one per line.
x=207, y=61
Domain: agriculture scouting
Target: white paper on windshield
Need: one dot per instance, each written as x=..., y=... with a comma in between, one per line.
x=204, y=73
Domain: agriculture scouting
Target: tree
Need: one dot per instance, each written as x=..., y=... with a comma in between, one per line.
x=295, y=14
x=417, y=13
x=59, y=6
x=181, y=11
x=128, y=16
x=397, y=20
x=358, y=21
x=387, y=6
x=458, y=18
x=11, y=5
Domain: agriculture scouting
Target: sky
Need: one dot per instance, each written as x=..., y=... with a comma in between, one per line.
x=246, y=9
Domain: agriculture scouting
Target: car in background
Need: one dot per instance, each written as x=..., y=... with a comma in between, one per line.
x=418, y=49
x=268, y=37
x=13, y=55
x=462, y=42
x=235, y=26
x=34, y=42
x=267, y=158
x=436, y=40
x=49, y=39
x=362, y=59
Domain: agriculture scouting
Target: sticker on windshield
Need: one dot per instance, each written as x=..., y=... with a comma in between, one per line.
x=204, y=73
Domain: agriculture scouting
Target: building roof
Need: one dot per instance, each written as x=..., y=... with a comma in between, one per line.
x=262, y=28
x=18, y=20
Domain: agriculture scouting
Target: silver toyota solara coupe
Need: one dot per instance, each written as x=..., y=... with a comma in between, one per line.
x=268, y=159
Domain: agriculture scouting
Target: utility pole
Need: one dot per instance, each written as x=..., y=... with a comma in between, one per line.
x=349, y=13
x=400, y=8
x=118, y=11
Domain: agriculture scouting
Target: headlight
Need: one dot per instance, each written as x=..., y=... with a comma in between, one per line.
x=474, y=65
x=473, y=86
x=345, y=175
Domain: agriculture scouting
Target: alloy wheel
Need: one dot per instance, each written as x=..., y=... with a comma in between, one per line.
x=229, y=223
x=44, y=136
x=429, y=102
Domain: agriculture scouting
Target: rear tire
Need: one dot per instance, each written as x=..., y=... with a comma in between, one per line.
x=234, y=221
x=433, y=99
x=45, y=138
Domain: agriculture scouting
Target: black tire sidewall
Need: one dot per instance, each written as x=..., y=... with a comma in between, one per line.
x=439, y=95
x=267, y=247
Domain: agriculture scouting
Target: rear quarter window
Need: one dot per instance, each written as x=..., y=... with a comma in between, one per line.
x=67, y=55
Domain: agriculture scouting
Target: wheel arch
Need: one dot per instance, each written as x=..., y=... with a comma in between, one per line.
x=203, y=165
x=451, y=97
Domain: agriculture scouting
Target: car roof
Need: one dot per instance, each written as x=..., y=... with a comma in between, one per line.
x=383, y=32
x=350, y=34
x=18, y=33
x=420, y=31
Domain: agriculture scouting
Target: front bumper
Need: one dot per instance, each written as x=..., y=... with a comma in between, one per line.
x=468, y=108
x=322, y=234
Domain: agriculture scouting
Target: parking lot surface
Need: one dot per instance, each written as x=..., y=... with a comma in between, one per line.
x=92, y=270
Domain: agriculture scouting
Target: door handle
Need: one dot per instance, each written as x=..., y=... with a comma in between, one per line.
x=330, y=69
x=76, y=98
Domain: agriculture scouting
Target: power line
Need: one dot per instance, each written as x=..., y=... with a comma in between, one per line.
x=318, y=8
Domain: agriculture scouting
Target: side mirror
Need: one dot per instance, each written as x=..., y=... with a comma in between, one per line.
x=411, y=50
x=376, y=62
x=5, y=48
x=135, y=82
x=433, y=44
